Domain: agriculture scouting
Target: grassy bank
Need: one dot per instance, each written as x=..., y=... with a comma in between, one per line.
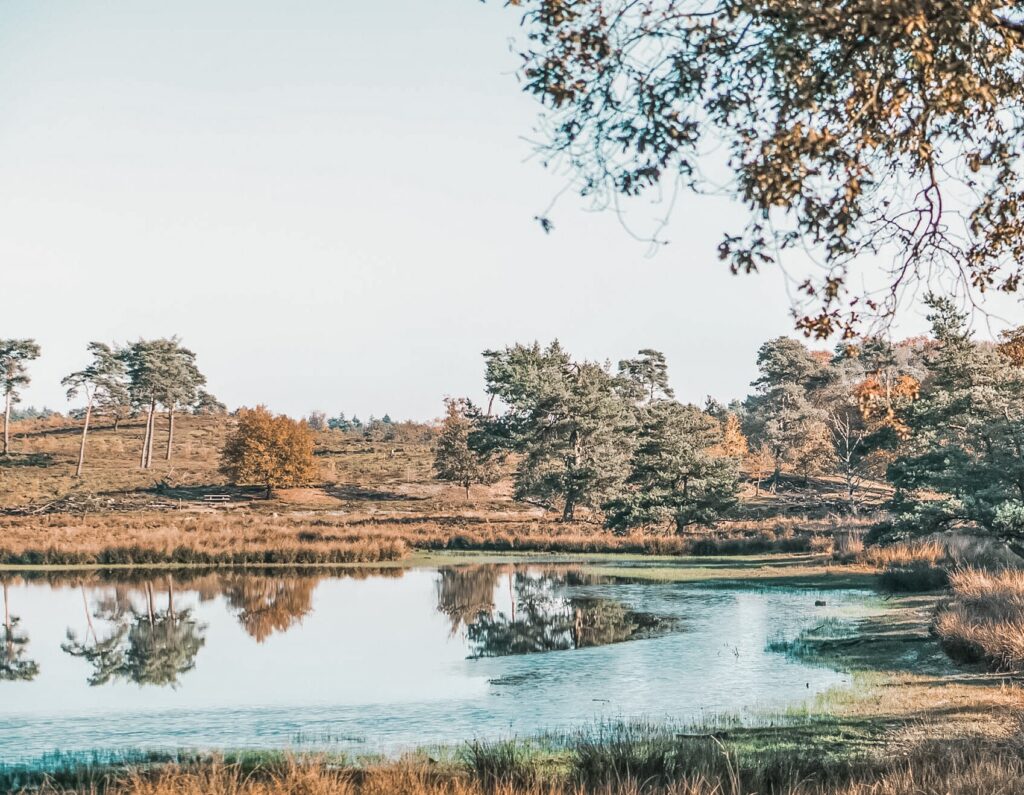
x=626, y=761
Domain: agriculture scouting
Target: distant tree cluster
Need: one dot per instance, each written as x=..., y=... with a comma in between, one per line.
x=940, y=417
x=119, y=381
x=581, y=435
x=374, y=426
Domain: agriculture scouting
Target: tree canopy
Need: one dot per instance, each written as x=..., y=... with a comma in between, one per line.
x=848, y=129
x=273, y=451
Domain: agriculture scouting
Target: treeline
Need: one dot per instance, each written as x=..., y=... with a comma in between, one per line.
x=145, y=377
x=940, y=417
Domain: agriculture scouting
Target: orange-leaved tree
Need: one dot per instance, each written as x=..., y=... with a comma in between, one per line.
x=272, y=451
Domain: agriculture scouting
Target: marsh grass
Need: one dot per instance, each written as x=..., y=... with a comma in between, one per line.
x=629, y=762
x=983, y=621
x=913, y=566
x=253, y=536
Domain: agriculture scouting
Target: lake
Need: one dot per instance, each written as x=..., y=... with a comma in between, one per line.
x=380, y=661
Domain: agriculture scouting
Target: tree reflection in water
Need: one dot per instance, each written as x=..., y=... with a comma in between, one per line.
x=467, y=592
x=148, y=647
x=131, y=639
x=269, y=604
x=541, y=616
x=14, y=665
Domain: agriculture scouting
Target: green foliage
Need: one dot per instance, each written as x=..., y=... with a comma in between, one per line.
x=207, y=404
x=103, y=381
x=454, y=460
x=674, y=475
x=14, y=357
x=567, y=420
x=967, y=437
x=646, y=376
x=781, y=415
x=162, y=372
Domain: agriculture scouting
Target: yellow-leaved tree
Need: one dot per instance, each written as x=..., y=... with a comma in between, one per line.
x=268, y=450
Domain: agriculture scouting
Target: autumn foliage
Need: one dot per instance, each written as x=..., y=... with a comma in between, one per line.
x=268, y=450
x=880, y=398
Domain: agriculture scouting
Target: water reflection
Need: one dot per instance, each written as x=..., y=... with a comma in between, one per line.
x=139, y=632
x=266, y=604
x=14, y=664
x=147, y=646
x=541, y=616
x=380, y=660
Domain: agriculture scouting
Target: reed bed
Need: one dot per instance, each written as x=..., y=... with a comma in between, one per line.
x=912, y=566
x=984, y=619
x=182, y=539
x=243, y=535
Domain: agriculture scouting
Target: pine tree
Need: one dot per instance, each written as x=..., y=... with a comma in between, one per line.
x=966, y=438
x=103, y=382
x=454, y=460
x=781, y=415
x=161, y=373
x=208, y=405
x=646, y=376
x=14, y=356
x=675, y=475
x=567, y=420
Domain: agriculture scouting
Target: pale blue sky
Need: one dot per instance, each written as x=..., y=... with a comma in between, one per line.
x=331, y=202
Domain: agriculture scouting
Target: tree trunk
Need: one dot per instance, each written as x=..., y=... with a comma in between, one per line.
x=170, y=431
x=85, y=431
x=145, y=441
x=151, y=434
x=467, y=485
x=268, y=491
x=7, y=425
x=117, y=421
x=569, y=511
x=88, y=615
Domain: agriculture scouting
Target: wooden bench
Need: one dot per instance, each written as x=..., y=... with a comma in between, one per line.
x=216, y=498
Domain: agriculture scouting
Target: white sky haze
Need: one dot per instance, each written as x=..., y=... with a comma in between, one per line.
x=331, y=202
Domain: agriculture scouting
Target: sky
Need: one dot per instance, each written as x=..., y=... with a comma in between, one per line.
x=333, y=204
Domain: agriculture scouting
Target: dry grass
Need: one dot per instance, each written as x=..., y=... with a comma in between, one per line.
x=184, y=538
x=45, y=451
x=257, y=534
x=907, y=554
x=911, y=566
x=984, y=619
x=934, y=770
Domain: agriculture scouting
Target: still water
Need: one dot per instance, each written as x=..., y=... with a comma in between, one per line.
x=368, y=661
